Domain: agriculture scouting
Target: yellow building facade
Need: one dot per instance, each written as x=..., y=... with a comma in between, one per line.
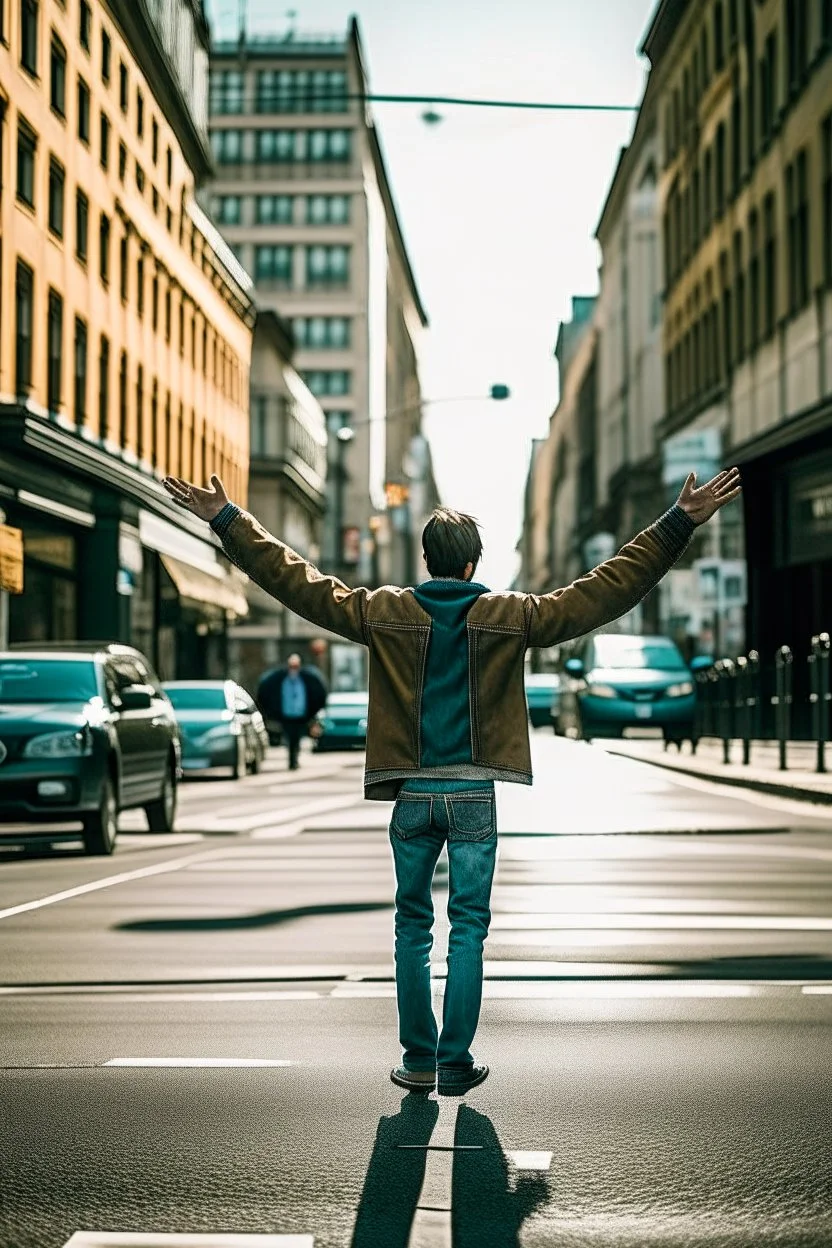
x=126, y=322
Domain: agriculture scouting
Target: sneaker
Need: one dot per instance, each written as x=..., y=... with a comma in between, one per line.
x=414, y=1080
x=458, y=1082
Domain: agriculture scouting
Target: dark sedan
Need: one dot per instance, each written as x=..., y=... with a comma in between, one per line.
x=220, y=726
x=621, y=681
x=83, y=735
x=542, y=697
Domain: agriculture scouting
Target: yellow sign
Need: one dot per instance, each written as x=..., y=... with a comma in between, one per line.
x=396, y=494
x=11, y=559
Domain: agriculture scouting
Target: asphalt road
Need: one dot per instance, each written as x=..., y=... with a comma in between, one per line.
x=196, y=1035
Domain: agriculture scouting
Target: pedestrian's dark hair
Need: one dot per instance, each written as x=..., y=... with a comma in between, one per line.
x=451, y=540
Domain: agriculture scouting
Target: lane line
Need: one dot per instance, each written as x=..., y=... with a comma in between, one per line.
x=219, y=1062
x=431, y=1227
x=157, y=1239
x=661, y=922
x=529, y=1160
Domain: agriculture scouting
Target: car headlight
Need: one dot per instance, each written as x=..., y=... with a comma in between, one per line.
x=60, y=745
x=602, y=691
x=679, y=691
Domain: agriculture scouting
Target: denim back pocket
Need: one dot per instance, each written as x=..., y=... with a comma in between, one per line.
x=411, y=815
x=472, y=818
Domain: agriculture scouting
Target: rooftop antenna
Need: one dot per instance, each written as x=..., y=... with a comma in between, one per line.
x=290, y=33
x=241, y=21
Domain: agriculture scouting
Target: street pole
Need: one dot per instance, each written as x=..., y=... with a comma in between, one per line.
x=4, y=605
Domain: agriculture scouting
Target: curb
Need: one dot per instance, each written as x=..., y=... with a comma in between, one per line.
x=772, y=787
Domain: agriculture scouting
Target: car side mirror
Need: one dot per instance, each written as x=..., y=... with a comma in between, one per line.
x=575, y=667
x=136, y=698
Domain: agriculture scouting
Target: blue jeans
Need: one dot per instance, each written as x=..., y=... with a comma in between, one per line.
x=420, y=825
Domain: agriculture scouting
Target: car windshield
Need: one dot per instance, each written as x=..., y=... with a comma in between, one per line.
x=358, y=698
x=540, y=680
x=198, y=698
x=47, y=680
x=620, y=651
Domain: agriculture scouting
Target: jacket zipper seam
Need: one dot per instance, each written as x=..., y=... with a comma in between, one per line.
x=472, y=697
x=420, y=688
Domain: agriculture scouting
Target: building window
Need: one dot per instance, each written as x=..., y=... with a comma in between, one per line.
x=83, y=112
x=140, y=287
x=720, y=161
x=26, y=146
x=826, y=22
x=227, y=209
x=328, y=266
x=768, y=89
x=708, y=193
x=57, y=76
x=24, y=300
x=122, y=162
x=827, y=200
x=167, y=314
x=154, y=423
x=139, y=114
x=123, y=87
x=106, y=56
x=140, y=412
x=275, y=209
x=124, y=277
x=104, y=249
x=104, y=139
x=328, y=382
x=301, y=91
x=139, y=178
x=727, y=315
x=154, y=141
x=273, y=263
x=181, y=326
x=80, y=395
x=122, y=400
x=754, y=309
x=797, y=42
x=769, y=265
x=29, y=36
x=82, y=219
x=321, y=332
x=719, y=36
x=327, y=209
x=329, y=144
x=85, y=25
x=736, y=143
x=54, y=350
x=739, y=297
x=103, y=385
x=154, y=303
x=56, y=197
x=797, y=211
x=226, y=93
x=169, y=167
x=227, y=146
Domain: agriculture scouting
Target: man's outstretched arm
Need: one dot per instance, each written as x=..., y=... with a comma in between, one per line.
x=274, y=566
x=616, y=586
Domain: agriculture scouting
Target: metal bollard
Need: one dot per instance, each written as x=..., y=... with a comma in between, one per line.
x=755, y=695
x=743, y=707
x=782, y=700
x=727, y=676
x=820, y=695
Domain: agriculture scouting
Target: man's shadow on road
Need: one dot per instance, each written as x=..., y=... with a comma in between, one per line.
x=486, y=1212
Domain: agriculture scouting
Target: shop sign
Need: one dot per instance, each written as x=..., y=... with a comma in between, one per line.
x=809, y=533
x=11, y=559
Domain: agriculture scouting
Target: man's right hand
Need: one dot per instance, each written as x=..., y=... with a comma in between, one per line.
x=203, y=503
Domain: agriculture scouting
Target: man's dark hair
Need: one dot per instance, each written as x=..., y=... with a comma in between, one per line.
x=451, y=540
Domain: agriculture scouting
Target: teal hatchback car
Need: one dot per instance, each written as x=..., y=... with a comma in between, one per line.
x=620, y=681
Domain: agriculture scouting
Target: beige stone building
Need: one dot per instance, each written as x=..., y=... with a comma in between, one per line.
x=302, y=194
x=744, y=95
x=127, y=327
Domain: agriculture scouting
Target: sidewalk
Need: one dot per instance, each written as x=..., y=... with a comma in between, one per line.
x=801, y=781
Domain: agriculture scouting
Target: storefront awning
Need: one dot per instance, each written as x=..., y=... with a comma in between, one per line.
x=198, y=586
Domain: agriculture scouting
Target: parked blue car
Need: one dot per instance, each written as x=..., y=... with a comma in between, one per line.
x=619, y=681
x=542, y=696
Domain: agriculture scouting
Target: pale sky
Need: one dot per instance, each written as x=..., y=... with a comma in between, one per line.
x=498, y=208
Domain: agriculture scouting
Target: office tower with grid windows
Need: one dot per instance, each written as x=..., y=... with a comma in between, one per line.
x=302, y=194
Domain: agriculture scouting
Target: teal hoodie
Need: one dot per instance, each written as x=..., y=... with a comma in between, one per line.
x=445, y=725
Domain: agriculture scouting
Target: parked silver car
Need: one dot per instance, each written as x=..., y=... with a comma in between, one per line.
x=220, y=726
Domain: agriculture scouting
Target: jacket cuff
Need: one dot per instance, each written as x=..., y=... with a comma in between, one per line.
x=222, y=520
x=673, y=530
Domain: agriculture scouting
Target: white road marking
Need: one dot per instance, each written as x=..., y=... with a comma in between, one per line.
x=530, y=1161
x=198, y=1061
x=817, y=990
x=274, y=818
x=431, y=1227
x=663, y=922
x=155, y=1239
x=159, y=868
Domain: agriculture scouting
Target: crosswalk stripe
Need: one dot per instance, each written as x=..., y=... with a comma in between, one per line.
x=431, y=1227
x=157, y=1239
x=219, y=1062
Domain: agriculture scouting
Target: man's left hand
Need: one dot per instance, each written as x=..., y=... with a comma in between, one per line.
x=701, y=502
x=203, y=503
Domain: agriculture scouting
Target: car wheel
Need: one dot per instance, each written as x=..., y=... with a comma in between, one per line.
x=101, y=827
x=161, y=814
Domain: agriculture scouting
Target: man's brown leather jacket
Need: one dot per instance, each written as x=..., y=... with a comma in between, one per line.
x=500, y=628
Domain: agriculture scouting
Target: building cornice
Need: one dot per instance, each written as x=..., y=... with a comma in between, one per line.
x=662, y=28
x=643, y=130
x=144, y=41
